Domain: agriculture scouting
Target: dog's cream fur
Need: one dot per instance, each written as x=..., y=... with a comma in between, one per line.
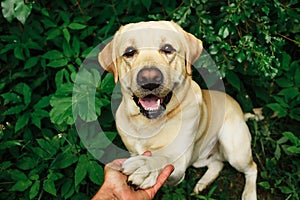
x=198, y=128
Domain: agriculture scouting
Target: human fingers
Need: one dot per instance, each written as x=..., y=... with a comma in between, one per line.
x=147, y=153
x=116, y=164
x=161, y=179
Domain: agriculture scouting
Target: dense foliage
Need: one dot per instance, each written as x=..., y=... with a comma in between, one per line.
x=255, y=45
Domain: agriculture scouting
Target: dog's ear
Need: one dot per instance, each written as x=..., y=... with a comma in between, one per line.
x=193, y=48
x=193, y=51
x=107, y=60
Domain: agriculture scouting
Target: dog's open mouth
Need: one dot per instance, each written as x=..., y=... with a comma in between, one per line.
x=152, y=106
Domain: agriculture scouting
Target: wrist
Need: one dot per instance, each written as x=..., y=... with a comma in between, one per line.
x=104, y=193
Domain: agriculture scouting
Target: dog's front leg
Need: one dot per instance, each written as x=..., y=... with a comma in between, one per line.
x=143, y=170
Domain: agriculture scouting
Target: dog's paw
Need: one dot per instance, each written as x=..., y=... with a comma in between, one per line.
x=142, y=170
x=199, y=188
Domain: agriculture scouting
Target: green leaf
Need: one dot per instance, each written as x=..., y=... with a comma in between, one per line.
x=234, y=80
x=67, y=49
x=11, y=98
x=223, y=31
x=240, y=57
x=102, y=140
x=25, y=90
x=146, y=3
x=53, y=55
x=289, y=93
x=34, y=190
x=95, y=172
x=286, y=61
x=67, y=190
x=294, y=149
x=278, y=108
x=66, y=34
x=282, y=140
x=54, y=176
x=5, y=165
x=64, y=90
x=43, y=102
x=40, y=152
x=58, y=63
x=33, y=45
x=64, y=160
x=295, y=113
x=297, y=77
x=81, y=169
x=97, y=153
x=31, y=62
x=53, y=33
x=108, y=84
x=26, y=163
x=21, y=185
x=10, y=143
x=76, y=46
x=62, y=110
x=85, y=103
x=76, y=26
x=33, y=177
x=213, y=49
x=277, y=152
x=16, y=9
x=37, y=115
x=14, y=110
x=285, y=190
x=19, y=53
x=264, y=184
x=2, y=85
x=22, y=121
x=61, y=77
x=51, y=146
x=280, y=100
x=88, y=78
x=65, y=16
x=266, y=10
x=87, y=109
x=284, y=82
x=294, y=139
x=48, y=23
x=8, y=9
x=49, y=187
x=17, y=175
x=22, y=11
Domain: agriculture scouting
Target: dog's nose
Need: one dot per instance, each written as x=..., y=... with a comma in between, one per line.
x=150, y=78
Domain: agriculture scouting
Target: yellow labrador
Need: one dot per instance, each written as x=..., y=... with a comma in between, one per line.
x=164, y=111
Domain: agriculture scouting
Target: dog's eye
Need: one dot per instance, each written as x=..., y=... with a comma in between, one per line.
x=167, y=49
x=129, y=52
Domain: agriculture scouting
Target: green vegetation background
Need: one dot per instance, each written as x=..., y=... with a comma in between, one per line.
x=255, y=44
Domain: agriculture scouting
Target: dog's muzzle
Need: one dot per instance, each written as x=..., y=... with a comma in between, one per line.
x=151, y=101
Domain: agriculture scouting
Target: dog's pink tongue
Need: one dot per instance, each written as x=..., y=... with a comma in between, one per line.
x=150, y=103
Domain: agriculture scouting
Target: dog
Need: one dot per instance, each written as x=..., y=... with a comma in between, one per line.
x=164, y=111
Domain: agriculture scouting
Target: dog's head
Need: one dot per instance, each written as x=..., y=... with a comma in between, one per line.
x=151, y=59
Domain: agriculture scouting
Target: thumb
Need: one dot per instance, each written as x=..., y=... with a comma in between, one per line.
x=161, y=179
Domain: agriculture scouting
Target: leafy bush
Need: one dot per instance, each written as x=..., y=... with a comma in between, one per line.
x=255, y=45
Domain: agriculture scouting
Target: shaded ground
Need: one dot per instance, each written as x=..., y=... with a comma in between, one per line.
x=229, y=185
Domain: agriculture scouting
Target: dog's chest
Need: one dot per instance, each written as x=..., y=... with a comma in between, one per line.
x=140, y=144
x=139, y=137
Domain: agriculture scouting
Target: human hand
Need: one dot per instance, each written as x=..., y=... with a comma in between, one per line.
x=115, y=183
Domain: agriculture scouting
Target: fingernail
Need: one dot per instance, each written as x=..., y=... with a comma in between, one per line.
x=129, y=183
x=135, y=187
